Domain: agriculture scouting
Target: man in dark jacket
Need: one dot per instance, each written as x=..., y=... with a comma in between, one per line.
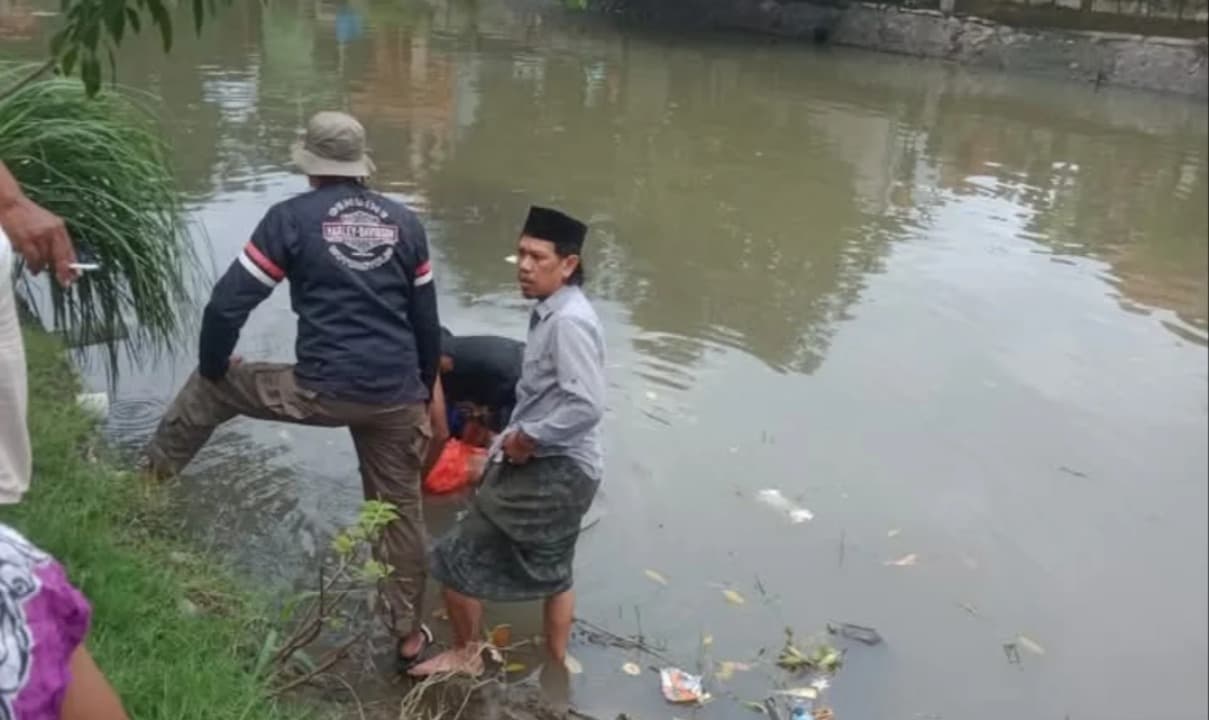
x=476, y=390
x=367, y=349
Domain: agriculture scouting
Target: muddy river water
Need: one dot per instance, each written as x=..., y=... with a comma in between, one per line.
x=957, y=315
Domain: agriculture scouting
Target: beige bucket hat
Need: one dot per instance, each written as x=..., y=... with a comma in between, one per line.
x=334, y=145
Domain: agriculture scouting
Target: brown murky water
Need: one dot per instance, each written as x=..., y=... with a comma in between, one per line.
x=957, y=315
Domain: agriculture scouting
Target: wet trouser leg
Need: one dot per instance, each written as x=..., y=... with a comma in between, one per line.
x=391, y=447
x=391, y=441
x=266, y=391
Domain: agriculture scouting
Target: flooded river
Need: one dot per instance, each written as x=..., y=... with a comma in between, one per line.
x=957, y=315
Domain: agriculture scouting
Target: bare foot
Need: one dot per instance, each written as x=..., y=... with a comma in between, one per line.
x=413, y=644
x=467, y=661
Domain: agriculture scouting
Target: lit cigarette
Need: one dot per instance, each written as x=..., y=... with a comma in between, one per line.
x=85, y=267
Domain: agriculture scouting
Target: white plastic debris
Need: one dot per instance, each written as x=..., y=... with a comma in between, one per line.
x=775, y=500
x=681, y=687
x=95, y=404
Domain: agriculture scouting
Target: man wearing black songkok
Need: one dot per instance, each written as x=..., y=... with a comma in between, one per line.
x=517, y=542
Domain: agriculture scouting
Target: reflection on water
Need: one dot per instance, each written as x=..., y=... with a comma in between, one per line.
x=966, y=307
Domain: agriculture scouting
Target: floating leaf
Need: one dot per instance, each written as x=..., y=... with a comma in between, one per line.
x=1030, y=644
x=631, y=669
x=904, y=561
x=501, y=635
x=755, y=706
x=728, y=668
x=515, y=667
x=968, y=608
x=573, y=665
x=733, y=597
x=654, y=575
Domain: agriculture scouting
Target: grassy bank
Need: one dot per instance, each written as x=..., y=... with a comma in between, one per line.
x=175, y=637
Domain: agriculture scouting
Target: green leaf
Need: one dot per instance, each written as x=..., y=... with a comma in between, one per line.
x=68, y=64
x=373, y=571
x=159, y=14
x=343, y=544
x=115, y=20
x=90, y=73
x=266, y=653
x=90, y=35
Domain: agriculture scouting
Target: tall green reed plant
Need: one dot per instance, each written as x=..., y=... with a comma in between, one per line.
x=99, y=163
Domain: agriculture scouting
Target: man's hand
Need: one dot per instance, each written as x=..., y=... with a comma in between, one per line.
x=40, y=237
x=518, y=447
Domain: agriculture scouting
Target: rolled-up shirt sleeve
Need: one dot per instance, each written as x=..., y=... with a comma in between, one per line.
x=579, y=365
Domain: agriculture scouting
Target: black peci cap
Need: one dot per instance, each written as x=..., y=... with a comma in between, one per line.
x=557, y=227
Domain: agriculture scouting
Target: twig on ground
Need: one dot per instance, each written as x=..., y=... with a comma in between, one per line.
x=320, y=668
x=351, y=691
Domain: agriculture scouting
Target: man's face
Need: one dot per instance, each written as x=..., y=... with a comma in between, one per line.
x=539, y=269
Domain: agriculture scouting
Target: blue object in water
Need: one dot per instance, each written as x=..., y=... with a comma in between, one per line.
x=348, y=24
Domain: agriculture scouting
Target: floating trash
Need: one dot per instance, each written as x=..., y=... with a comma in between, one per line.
x=631, y=669
x=501, y=635
x=655, y=576
x=1030, y=644
x=680, y=687
x=904, y=561
x=775, y=500
x=860, y=633
x=511, y=259
x=733, y=597
x=728, y=668
x=95, y=404
x=821, y=656
x=573, y=665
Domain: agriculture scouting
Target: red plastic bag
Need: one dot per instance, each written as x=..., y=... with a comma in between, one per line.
x=458, y=467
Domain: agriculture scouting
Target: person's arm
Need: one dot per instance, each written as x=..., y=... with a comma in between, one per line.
x=440, y=427
x=422, y=312
x=581, y=386
x=260, y=267
x=37, y=235
x=89, y=695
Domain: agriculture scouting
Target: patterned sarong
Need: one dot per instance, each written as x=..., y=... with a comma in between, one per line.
x=517, y=540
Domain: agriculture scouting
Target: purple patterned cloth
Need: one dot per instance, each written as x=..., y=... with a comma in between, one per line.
x=43, y=619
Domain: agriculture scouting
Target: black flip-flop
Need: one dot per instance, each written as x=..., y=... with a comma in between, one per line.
x=405, y=662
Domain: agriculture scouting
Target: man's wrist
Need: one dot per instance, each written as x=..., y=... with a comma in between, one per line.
x=11, y=196
x=523, y=437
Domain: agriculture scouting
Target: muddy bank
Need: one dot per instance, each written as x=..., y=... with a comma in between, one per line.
x=1164, y=64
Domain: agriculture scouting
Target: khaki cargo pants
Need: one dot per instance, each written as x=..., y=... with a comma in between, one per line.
x=391, y=441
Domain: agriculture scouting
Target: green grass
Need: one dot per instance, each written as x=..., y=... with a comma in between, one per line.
x=101, y=165
x=108, y=529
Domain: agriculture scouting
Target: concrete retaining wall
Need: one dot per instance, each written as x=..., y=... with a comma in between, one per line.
x=1155, y=63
